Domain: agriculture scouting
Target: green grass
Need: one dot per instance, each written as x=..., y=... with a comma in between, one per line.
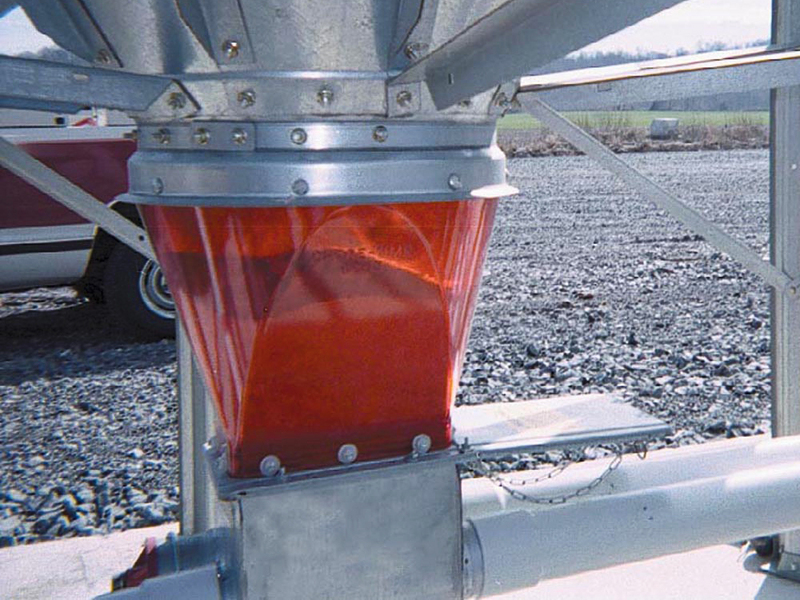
x=642, y=118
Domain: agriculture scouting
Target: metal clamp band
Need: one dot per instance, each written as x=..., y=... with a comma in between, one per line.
x=324, y=164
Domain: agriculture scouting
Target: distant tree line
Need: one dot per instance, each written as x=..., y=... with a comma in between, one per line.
x=740, y=101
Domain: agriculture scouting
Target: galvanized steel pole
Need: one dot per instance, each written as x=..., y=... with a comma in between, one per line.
x=785, y=254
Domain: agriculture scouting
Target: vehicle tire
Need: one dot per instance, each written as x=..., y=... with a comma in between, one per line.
x=136, y=294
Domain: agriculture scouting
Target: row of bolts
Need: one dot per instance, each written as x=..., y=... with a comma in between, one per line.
x=247, y=98
x=239, y=136
x=270, y=466
x=298, y=136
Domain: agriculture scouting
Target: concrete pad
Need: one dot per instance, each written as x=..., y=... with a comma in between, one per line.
x=82, y=568
x=73, y=569
x=715, y=573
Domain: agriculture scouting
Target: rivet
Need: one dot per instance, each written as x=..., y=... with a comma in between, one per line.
x=794, y=166
x=230, y=48
x=103, y=57
x=299, y=187
x=404, y=98
x=158, y=185
x=421, y=444
x=347, y=454
x=325, y=96
x=454, y=181
x=298, y=136
x=176, y=100
x=162, y=136
x=238, y=136
x=380, y=133
x=246, y=98
x=270, y=466
x=201, y=136
x=793, y=291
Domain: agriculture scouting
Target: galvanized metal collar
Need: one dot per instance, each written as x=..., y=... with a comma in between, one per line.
x=239, y=136
x=313, y=164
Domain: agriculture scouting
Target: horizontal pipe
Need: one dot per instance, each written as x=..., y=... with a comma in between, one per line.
x=482, y=497
x=520, y=548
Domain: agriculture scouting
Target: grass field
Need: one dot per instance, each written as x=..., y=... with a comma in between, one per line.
x=642, y=118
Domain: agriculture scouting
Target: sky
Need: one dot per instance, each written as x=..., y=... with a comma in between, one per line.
x=685, y=26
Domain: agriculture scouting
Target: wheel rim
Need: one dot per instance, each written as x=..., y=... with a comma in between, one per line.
x=154, y=291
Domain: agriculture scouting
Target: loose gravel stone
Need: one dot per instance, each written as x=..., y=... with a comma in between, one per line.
x=587, y=288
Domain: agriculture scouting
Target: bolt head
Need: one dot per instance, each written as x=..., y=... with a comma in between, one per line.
x=163, y=136
x=793, y=290
x=299, y=187
x=201, y=137
x=298, y=136
x=230, y=48
x=380, y=134
x=325, y=96
x=404, y=98
x=246, y=98
x=270, y=466
x=176, y=100
x=415, y=49
x=103, y=57
x=158, y=185
x=421, y=444
x=454, y=181
x=347, y=454
x=239, y=136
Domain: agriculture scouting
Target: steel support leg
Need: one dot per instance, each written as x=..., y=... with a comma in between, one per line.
x=196, y=426
x=785, y=255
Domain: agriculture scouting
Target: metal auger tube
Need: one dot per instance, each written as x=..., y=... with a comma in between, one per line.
x=516, y=549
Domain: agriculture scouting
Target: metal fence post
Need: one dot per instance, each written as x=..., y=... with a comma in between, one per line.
x=785, y=255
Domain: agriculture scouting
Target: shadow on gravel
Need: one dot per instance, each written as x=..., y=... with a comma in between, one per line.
x=72, y=341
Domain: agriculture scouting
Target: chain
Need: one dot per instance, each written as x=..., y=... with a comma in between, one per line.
x=481, y=468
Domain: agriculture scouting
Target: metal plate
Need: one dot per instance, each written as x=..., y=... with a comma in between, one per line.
x=552, y=423
x=390, y=533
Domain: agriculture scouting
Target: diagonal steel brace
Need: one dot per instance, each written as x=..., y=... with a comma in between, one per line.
x=693, y=220
x=70, y=195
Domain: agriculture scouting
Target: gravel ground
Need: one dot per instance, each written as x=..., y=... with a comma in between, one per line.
x=587, y=289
